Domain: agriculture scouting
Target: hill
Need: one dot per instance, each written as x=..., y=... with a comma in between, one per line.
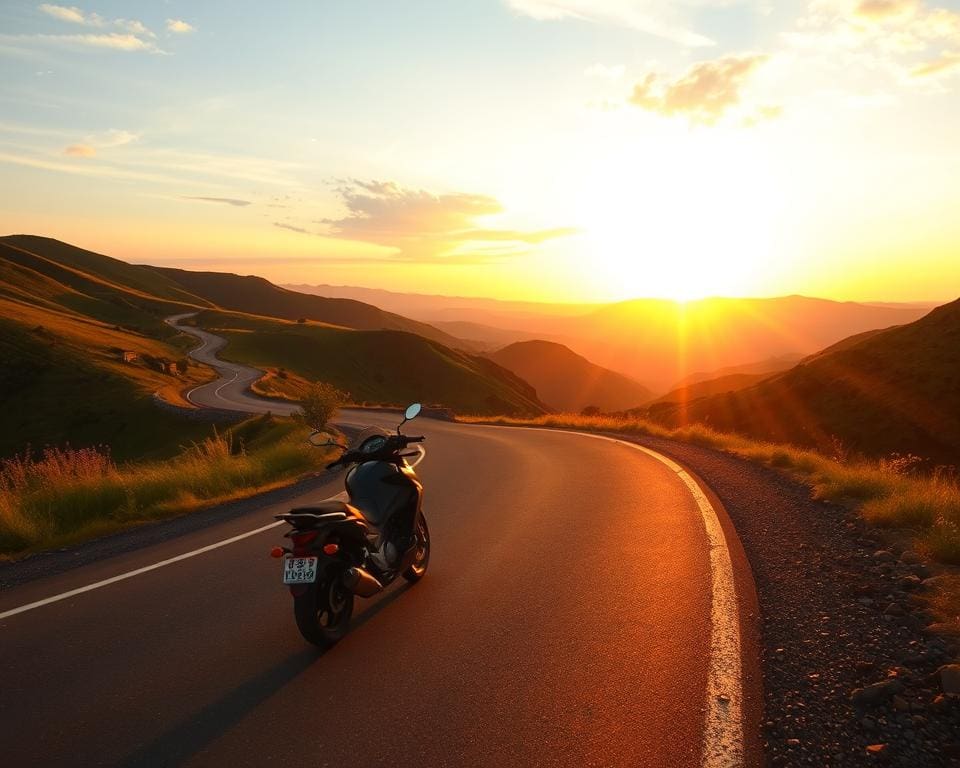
x=893, y=391
x=568, y=382
x=705, y=388
x=69, y=314
x=662, y=342
x=654, y=341
x=257, y=296
x=384, y=367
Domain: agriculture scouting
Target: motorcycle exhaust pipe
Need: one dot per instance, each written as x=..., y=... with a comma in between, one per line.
x=360, y=582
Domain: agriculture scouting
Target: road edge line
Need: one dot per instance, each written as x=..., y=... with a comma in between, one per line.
x=724, y=737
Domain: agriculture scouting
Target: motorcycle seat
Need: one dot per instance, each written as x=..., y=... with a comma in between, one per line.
x=331, y=506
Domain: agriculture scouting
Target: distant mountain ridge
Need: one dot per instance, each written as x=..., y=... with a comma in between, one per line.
x=568, y=382
x=657, y=342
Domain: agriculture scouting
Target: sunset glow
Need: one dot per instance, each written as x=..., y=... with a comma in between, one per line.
x=740, y=150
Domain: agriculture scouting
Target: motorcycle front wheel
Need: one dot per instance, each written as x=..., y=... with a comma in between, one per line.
x=323, y=612
x=418, y=568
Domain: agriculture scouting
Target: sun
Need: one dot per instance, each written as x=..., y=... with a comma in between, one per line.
x=685, y=219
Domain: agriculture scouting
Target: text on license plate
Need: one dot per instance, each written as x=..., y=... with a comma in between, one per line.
x=299, y=570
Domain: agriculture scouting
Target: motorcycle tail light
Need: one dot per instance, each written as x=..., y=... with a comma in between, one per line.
x=302, y=540
x=331, y=548
x=276, y=552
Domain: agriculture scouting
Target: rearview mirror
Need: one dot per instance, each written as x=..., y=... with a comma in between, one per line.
x=412, y=411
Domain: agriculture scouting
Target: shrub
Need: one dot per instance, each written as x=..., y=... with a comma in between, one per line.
x=319, y=403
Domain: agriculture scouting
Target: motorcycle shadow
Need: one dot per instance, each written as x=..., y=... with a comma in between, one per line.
x=191, y=735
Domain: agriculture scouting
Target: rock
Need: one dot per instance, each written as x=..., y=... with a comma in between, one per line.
x=910, y=582
x=793, y=742
x=900, y=704
x=865, y=601
x=910, y=558
x=883, y=556
x=894, y=609
x=934, y=583
x=872, y=695
x=949, y=675
x=864, y=666
x=876, y=749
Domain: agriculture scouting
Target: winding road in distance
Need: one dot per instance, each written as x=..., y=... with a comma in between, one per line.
x=586, y=605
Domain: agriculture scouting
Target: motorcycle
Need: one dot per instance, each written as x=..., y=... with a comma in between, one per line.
x=357, y=543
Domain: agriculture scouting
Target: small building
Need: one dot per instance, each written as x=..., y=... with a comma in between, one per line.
x=129, y=356
x=169, y=366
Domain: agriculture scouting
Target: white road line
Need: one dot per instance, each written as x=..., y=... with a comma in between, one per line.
x=137, y=572
x=723, y=726
x=723, y=720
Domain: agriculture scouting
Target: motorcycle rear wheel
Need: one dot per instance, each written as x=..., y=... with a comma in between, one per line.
x=323, y=612
x=418, y=568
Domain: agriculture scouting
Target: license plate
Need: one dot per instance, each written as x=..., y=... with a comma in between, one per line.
x=299, y=570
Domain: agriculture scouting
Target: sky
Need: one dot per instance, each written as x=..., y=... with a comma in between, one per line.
x=548, y=150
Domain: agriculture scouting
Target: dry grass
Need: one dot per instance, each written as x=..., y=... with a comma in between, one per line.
x=67, y=495
x=889, y=492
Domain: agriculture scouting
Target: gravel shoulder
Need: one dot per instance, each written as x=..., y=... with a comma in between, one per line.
x=849, y=666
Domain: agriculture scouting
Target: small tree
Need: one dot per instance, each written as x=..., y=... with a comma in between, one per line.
x=590, y=410
x=182, y=365
x=319, y=403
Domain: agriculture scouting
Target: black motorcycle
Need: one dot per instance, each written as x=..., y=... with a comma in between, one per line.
x=359, y=543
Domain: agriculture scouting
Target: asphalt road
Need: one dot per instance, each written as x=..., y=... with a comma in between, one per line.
x=569, y=618
x=231, y=391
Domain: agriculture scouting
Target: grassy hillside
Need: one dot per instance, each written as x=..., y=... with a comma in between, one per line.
x=718, y=386
x=385, y=367
x=896, y=390
x=568, y=382
x=60, y=383
x=256, y=296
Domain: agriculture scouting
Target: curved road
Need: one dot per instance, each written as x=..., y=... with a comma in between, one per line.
x=573, y=615
x=231, y=391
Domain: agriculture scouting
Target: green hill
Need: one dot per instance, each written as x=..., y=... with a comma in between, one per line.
x=568, y=382
x=384, y=367
x=256, y=296
x=68, y=314
x=891, y=391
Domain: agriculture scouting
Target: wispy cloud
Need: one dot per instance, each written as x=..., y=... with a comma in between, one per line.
x=179, y=26
x=132, y=34
x=223, y=200
x=292, y=228
x=424, y=226
x=655, y=18
x=71, y=14
x=703, y=94
x=80, y=150
x=104, y=41
x=944, y=63
x=106, y=140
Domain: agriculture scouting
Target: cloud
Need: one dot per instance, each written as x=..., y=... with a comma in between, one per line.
x=108, y=40
x=178, y=26
x=80, y=150
x=106, y=140
x=224, y=200
x=945, y=63
x=292, y=228
x=130, y=41
x=654, y=18
x=422, y=226
x=71, y=14
x=881, y=10
x=703, y=94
